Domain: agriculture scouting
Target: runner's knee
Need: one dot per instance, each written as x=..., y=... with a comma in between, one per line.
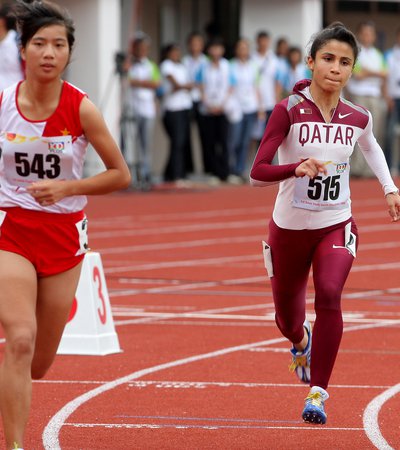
x=291, y=327
x=20, y=347
x=328, y=296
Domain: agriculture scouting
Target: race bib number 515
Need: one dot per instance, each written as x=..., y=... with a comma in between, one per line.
x=330, y=191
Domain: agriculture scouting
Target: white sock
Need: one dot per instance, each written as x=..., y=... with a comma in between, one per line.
x=322, y=391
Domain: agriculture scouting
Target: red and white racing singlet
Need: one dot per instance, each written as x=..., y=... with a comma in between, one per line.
x=52, y=149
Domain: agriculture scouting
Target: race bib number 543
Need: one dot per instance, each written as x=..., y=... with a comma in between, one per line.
x=330, y=191
x=30, y=160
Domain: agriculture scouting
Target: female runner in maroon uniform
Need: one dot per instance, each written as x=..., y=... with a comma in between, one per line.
x=314, y=132
x=45, y=127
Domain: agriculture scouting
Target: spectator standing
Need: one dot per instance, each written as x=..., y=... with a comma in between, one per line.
x=216, y=84
x=268, y=67
x=245, y=72
x=393, y=64
x=176, y=106
x=281, y=52
x=193, y=60
x=367, y=87
x=296, y=70
x=144, y=79
x=10, y=62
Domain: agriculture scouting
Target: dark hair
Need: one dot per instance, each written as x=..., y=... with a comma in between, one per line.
x=262, y=34
x=366, y=23
x=192, y=35
x=167, y=49
x=141, y=37
x=338, y=32
x=215, y=41
x=294, y=49
x=42, y=13
x=6, y=13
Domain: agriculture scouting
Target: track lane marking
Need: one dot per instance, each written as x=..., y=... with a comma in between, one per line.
x=204, y=384
x=205, y=427
x=50, y=436
x=370, y=418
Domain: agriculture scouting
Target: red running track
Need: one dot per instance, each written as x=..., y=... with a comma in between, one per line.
x=203, y=365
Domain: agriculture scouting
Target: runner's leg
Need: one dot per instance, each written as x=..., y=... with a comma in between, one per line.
x=331, y=267
x=18, y=283
x=54, y=301
x=291, y=259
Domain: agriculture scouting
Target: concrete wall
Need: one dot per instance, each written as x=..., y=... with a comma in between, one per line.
x=297, y=20
x=97, y=34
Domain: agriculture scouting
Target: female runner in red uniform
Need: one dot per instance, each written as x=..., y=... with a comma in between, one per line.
x=314, y=131
x=45, y=127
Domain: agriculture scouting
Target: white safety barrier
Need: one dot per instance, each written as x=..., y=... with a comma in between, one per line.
x=90, y=329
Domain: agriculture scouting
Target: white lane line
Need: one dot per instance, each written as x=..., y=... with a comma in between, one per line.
x=190, y=227
x=205, y=384
x=182, y=244
x=176, y=229
x=267, y=317
x=51, y=432
x=191, y=215
x=370, y=418
x=218, y=241
x=183, y=263
x=227, y=260
x=265, y=210
x=185, y=426
x=189, y=286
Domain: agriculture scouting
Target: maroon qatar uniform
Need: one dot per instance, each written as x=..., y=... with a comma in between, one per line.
x=312, y=225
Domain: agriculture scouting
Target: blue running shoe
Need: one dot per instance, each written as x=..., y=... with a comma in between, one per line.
x=302, y=360
x=314, y=411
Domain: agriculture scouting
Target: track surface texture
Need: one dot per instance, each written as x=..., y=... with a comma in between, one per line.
x=203, y=365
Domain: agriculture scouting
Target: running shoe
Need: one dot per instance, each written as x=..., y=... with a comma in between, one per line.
x=314, y=411
x=302, y=359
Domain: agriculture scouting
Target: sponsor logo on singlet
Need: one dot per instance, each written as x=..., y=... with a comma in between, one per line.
x=56, y=147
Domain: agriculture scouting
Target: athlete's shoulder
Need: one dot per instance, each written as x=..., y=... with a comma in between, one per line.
x=66, y=119
x=351, y=114
x=70, y=89
x=8, y=96
x=300, y=109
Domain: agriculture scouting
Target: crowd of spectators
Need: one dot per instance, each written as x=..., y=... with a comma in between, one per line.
x=230, y=100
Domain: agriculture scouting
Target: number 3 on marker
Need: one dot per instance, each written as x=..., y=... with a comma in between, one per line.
x=101, y=310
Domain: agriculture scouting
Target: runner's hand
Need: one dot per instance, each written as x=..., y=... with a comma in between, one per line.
x=311, y=168
x=48, y=192
x=393, y=201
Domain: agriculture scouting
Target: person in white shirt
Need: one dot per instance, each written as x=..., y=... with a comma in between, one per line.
x=144, y=79
x=215, y=81
x=193, y=61
x=367, y=88
x=295, y=71
x=281, y=52
x=246, y=91
x=268, y=66
x=10, y=62
x=393, y=63
x=176, y=106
